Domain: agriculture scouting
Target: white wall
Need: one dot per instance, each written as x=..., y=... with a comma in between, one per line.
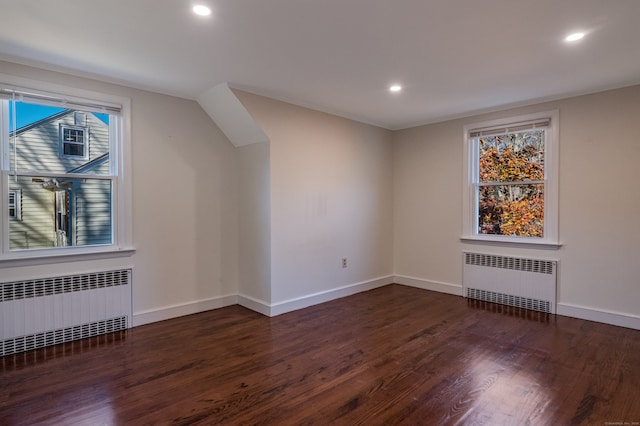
x=331, y=183
x=599, y=271
x=184, y=210
x=272, y=221
x=254, y=222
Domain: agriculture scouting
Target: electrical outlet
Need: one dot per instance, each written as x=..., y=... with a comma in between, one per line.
x=344, y=262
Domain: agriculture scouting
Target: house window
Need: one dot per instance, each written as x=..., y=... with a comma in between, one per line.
x=67, y=189
x=14, y=204
x=74, y=142
x=510, y=185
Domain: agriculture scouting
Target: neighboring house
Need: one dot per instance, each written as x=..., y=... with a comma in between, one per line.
x=48, y=211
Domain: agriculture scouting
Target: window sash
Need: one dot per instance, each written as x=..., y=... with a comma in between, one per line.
x=477, y=184
x=8, y=143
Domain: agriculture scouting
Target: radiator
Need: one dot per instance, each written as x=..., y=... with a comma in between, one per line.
x=521, y=282
x=44, y=312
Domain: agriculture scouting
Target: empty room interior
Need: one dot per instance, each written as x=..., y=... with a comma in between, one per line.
x=417, y=212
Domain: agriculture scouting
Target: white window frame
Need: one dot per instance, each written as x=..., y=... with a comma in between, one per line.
x=17, y=204
x=470, y=182
x=63, y=142
x=120, y=156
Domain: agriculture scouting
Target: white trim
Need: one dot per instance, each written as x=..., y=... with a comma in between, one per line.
x=469, y=166
x=515, y=243
x=264, y=308
x=279, y=308
x=182, y=309
x=598, y=315
x=122, y=197
x=64, y=254
x=441, y=287
x=256, y=305
x=296, y=303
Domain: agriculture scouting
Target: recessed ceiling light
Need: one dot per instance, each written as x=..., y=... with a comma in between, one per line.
x=201, y=10
x=395, y=88
x=574, y=37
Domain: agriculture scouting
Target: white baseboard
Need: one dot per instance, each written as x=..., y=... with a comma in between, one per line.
x=296, y=303
x=455, y=289
x=260, y=306
x=597, y=315
x=256, y=305
x=301, y=302
x=174, y=311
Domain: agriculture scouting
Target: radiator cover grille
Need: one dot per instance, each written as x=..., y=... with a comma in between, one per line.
x=509, y=299
x=44, y=312
x=55, y=337
x=58, y=285
x=505, y=262
x=513, y=281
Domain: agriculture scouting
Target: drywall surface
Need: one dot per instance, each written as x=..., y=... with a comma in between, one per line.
x=599, y=201
x=254, y=222
x=331, y=183
x=184, y=202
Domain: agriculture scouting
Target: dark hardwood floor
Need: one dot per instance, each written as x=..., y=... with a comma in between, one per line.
x=394, y=355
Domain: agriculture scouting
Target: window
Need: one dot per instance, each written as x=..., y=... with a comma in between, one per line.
x=63, y=163
x=74, y=142
x=14, y=204
x=510, y=185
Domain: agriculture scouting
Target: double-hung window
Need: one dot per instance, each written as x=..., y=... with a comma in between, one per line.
x=510, y=186
x=74, y=142
x=62, y=160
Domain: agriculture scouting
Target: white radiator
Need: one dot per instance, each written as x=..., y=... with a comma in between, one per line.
x=514, y=281
x=44, y=312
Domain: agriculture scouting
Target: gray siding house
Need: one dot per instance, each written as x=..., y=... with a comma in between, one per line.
x=48, y=211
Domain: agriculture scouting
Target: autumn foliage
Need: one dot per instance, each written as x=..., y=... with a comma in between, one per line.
x=511, y=192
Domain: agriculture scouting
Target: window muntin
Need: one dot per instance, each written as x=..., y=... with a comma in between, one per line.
x=66, y=200
x=510, y=180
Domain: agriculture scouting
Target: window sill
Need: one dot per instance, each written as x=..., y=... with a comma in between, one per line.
x=32, y=259
x=516, y=243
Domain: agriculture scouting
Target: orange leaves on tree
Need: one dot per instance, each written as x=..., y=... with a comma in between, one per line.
x=517, y=206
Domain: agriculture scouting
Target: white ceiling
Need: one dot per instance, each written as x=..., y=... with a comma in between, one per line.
x=453, y=57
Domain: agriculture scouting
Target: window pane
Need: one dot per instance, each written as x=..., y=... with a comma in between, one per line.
x=46, y=140
x=60, y=212
x=74, y=149
x=73, y=135
x=516, y=210
x=512, y=157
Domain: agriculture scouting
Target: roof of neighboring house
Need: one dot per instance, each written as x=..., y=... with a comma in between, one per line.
x=41, y=122
x=83, y=168
x=47, y=120
x=87, y=167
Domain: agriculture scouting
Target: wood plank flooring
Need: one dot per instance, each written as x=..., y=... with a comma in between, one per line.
x=394, y=355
